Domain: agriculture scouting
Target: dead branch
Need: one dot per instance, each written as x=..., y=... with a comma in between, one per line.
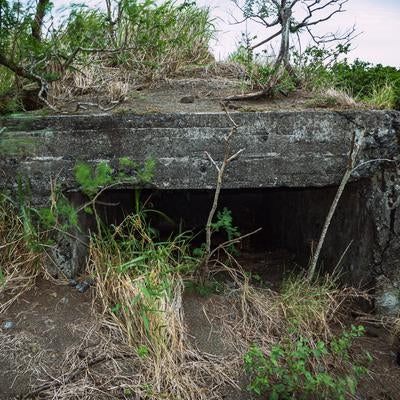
x=228, y=158
x=355, y=148
x=233, y=241
x=83, y=105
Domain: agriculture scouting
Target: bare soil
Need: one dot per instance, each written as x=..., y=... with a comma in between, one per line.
x=202, y=89
x=54, y=323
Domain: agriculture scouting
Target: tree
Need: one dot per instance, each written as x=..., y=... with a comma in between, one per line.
x=285, y=18
x=21, y=48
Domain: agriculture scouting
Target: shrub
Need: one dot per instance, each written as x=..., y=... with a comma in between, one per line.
x=376, y=85
x=300, y=369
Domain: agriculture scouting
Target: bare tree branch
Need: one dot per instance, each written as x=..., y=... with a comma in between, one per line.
x=266, y=40
x=204, y=266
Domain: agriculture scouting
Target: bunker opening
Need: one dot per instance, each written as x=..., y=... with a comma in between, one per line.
x=291, y=222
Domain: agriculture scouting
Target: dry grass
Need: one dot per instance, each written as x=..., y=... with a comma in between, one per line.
x=302, y=308
x=19, y=263
x=99, y=83
x=342, y=97
x=141, y=347
x=331, y=98
x=149, y=315
x=141, y=296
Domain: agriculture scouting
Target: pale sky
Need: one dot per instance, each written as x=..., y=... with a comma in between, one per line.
x=378, y=20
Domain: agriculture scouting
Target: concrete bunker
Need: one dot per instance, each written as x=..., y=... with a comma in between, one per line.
x=284, y=180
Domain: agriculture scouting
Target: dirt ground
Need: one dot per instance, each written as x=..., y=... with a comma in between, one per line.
x=204, y=89
x=55, y=324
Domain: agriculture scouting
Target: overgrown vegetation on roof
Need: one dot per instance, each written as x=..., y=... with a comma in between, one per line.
x=48, y=56
x=91, y=46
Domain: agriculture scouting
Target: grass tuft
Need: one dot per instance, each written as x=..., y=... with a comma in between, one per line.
x=19, y=262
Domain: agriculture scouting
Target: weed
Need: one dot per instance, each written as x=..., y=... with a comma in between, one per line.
x=143, y=351
x=301, y=368
x=376, y=85
x=224, y=223
x=146, y=42
x=90, y=181
x=19, y=260
x=383, y=96
x=310, y=305
x=331, y=98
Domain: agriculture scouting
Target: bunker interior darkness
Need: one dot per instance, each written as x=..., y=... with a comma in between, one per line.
x=291, y=221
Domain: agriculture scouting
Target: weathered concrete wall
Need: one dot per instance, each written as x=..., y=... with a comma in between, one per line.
x=304, y=149
x=293, y=149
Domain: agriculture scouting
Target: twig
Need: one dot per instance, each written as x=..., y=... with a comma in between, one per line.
x=64, y=379
x=89, y=104
x=354, y=150
x=204, y=270
x=233, y=241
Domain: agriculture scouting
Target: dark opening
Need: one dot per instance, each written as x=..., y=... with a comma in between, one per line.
x=291, y=218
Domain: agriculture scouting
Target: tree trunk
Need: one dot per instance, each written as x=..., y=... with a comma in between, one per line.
x=283, y=56
x=37, y=22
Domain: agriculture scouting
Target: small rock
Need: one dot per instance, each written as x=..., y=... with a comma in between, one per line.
x=72, y=282
x=84, y=286
x=79, y=286
x=187, y=99
x=8, y=325
x=64, y=300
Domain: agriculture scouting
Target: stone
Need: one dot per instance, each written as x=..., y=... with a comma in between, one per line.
x=8, y=325
x=64, y=300
x=187, y=99
x=84, y=286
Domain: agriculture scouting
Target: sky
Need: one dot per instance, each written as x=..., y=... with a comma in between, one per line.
x=376, y=21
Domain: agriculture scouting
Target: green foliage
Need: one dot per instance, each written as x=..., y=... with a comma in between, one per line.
x=92, y=179
x=377, y=85
x=301, y=370
x=385, y=96
x=146, y=173
x=131, y=253
x=225, y=223
x=2, y=277
x=259, y=70
x=312, y=66
x=148, y=38
x=308, y=304
x=143, y=351
x=8, y=99
x=62, y=215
